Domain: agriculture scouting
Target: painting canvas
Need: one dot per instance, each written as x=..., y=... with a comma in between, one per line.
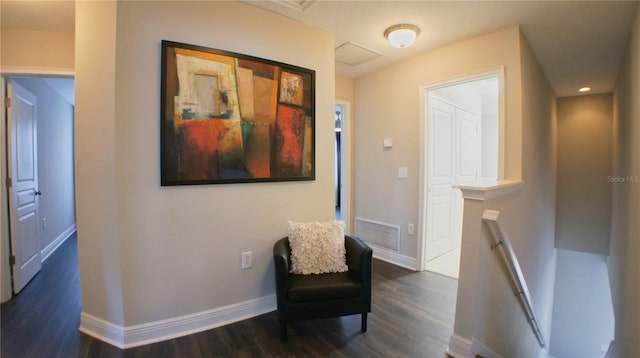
x=232, y=118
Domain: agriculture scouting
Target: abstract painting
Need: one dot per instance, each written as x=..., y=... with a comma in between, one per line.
x=232, y=118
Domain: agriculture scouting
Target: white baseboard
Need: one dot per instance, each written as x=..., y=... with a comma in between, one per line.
x=394, y=257
x=47, y=251
x=612, y=349
x=102, y=330
x=480, y=349
x=133, y=336
x=460, y=347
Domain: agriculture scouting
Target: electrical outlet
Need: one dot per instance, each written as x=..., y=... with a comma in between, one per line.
x=246, y=259
x=410, y=229
x=403, y=172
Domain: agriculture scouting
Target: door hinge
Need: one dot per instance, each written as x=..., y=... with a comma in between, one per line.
x=8, y=183
x=7, y=102
x=12, y=260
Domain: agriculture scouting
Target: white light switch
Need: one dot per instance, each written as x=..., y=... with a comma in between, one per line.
x=403, y=172
x=246, y=259
x=387, y=143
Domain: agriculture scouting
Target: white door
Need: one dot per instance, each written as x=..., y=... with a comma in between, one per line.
x=467, y=161
x=23, y=193
x=441, y=178
x=467, y=144
x=454, y=157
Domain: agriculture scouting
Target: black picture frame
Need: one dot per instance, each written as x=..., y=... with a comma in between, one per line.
x=233, y=118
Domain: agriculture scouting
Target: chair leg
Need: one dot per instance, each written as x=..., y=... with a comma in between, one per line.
x=363, y=328
x=283, y=331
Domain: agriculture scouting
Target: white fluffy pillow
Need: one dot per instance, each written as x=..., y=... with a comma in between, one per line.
x=317, y=247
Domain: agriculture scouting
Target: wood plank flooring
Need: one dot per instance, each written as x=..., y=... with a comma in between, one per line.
x=412, y=316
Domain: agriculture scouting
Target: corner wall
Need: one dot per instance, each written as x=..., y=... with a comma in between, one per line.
x=388, y=105
x=585, y=152
x=94, y=139
x=490, y=320
x=164, y=255
x=624, y=248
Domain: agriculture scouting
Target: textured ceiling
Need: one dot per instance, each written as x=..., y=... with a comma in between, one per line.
x=576, y=42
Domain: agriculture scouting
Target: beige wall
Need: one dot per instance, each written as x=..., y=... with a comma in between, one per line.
x=529, y=220
x=487, y=310
x=37, y=49
x=172, y=251
x=94, y=135
x=624, y=264
x=344, y=89
x=585, y=152
x=387, y=105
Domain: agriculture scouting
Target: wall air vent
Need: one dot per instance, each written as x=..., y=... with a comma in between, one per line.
x=379, y=234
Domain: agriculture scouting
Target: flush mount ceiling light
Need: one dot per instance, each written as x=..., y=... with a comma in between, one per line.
x=402, y=35
x=585, y=89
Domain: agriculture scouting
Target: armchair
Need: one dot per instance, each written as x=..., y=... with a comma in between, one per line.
x=306, y=297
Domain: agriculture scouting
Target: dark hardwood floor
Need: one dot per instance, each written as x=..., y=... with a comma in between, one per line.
x=412, y=316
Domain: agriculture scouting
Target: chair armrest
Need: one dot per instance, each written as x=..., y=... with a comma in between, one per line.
x=358, y=256
x=281, y=260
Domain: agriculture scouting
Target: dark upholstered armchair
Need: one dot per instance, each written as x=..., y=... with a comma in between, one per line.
x=305, y=297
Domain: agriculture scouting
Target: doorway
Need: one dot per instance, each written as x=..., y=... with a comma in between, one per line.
x=22, y=184
x=461, y=134
x=342, y=163
x=54, y=219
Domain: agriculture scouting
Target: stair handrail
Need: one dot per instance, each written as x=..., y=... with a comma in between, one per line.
x=491, y=218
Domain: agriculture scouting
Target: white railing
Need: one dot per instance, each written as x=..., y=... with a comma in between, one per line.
x=490, y=217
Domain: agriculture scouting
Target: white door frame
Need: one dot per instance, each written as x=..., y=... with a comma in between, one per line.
x=5, y=274
x=424, y=126
x=346, y=163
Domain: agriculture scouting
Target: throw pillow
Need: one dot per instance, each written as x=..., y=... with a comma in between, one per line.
x=317, y=247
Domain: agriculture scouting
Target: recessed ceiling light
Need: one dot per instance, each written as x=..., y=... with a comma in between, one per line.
x=585, y=89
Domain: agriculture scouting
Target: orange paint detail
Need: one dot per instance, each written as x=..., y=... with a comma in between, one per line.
x=204, y=143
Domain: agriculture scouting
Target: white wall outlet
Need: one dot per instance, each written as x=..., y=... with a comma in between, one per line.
x=403, y=172
x=387, y=143
x=410, y=230
x=246, y=259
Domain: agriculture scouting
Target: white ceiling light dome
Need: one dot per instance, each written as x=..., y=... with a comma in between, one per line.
x=402, y=35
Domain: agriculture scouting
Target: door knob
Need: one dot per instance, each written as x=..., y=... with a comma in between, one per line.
x=38, y=192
